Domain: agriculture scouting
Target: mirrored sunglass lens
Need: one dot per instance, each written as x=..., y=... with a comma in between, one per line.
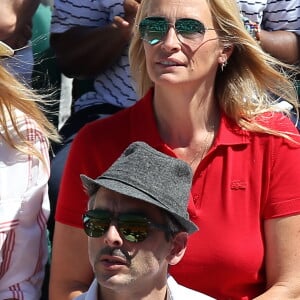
x=95, y=227
x=153, y=29
x=133, y=228
x=96, y=222
x=190, y=28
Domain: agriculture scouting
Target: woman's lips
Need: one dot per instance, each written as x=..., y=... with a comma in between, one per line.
x=170, y=62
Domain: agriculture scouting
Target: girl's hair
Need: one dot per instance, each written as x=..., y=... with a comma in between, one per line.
x=16, y=97
x=250, y=84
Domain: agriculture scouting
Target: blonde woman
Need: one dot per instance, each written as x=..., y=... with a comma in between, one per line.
x=24, y=171
x=208, y=98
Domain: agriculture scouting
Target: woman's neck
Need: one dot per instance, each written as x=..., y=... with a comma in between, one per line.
x=184, y=117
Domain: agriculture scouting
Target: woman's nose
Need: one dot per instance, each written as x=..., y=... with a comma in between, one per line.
x=171, y=41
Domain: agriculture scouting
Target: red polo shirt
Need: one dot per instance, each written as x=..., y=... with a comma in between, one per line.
x=244, y=179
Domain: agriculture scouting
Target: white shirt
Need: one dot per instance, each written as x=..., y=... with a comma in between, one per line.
x=24, y=211
x=177, y=292
x=114, y=85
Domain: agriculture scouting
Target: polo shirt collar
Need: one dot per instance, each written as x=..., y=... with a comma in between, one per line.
x=230, y=133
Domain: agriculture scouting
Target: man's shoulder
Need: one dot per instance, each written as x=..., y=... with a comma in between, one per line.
x=179, y=291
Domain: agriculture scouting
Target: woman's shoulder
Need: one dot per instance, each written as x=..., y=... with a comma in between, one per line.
x=280, y=123
x=265, y=128
x=277, y=121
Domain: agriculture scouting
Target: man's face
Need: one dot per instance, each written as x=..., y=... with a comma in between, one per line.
x=121, y=265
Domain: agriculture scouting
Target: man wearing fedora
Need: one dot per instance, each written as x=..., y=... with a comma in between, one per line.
x=137, y=225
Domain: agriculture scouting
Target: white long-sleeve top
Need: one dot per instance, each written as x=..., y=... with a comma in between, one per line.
x=24, y=211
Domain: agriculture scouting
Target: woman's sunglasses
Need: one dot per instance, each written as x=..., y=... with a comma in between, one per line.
x=188, y=31
x=134, y=227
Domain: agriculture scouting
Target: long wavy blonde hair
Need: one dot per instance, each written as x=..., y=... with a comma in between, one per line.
x=14, y=97
x=251, y=83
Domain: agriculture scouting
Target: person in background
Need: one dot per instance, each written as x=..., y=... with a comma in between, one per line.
x=46, y=75
x=16, y=32
x=208, y=97
x=24, y=172
x=275, y=25
x=103, y=30
x=90, y=40
x=137, y=225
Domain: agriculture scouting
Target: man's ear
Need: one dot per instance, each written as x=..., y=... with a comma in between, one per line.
x=178, y=248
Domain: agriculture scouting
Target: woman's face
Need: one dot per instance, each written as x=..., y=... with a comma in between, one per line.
x=178, y=60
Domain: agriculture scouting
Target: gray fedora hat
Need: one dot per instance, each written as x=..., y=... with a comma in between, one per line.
x=144, y=173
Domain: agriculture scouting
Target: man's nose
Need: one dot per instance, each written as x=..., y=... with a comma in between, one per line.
x=112, y=237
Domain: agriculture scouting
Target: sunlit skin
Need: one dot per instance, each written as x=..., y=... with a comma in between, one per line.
x=128, y=270
x=172, y=62
x=185, y=76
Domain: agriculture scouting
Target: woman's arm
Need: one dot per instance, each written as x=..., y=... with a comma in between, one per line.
x=71, y=273
x=282, y=258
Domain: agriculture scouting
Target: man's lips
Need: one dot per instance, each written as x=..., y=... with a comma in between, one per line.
x=109, y=260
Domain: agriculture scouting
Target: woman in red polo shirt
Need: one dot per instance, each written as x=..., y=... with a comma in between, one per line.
x=209, y=100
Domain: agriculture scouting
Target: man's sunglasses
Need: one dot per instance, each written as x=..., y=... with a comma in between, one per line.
x=188, y=31
x=134, y=227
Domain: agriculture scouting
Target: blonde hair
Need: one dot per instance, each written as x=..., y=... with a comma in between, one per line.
x=252, y=81
x=14, y=97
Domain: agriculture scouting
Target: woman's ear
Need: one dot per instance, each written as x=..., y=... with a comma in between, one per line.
x=228, y=49
x=178, y=248
x=225, y=53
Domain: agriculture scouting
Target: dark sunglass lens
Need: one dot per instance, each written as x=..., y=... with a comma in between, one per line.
x=133, y=228
x=99, y=214
x=189, y=27
x=153, y=29
x=96, y=222
x=95, y=228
